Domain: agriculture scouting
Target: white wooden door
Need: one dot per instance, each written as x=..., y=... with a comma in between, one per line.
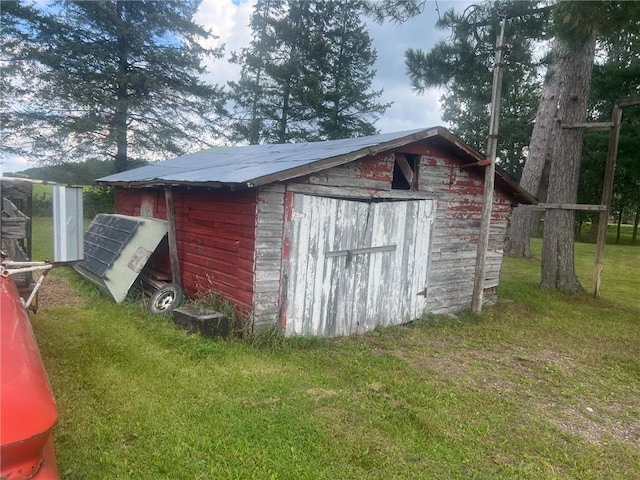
x=356, y=265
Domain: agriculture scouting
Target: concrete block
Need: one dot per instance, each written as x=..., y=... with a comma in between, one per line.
x=208, y=323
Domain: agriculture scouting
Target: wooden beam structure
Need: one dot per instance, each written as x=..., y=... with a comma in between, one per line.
x=406, y=169
x=564, y=206
x=173, y=244
x=480, y=163
x=607, y=191
x=614, y=126
x=628, y=102
x=592, y=126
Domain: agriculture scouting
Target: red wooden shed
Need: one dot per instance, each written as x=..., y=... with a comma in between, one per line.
x=329, y=238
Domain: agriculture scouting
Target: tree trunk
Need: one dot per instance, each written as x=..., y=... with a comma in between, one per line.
x=636, y=221
x=283, y=121
x=122, y=107
x=254, y=129
x=574, y=69
x=523, y=222
x=619, y=225
x=579, y=223
x=541, y=195
x=593, y=231
x=121, y=136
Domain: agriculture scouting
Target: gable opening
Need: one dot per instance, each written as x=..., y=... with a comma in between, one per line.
x=405, y=172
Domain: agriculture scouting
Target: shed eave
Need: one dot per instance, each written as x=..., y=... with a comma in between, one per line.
x=171, y=183
x=459, y=144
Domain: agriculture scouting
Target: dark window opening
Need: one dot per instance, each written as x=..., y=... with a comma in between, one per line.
x=405, y=172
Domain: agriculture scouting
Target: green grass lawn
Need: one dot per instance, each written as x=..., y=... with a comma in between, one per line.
x=543, y=385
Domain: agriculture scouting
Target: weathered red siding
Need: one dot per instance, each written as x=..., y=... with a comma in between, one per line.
x=128, y=201
x=456, y=231
x=375, y=172
x=215, y=233
x=378, y=168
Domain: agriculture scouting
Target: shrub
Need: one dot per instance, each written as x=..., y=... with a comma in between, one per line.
x=42, y=202
x=98, y=199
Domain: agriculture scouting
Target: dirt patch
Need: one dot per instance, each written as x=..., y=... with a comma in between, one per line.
x=536, y=378
x=57, y=291
x=320, y=393
x=596, y=425
x=486, y=369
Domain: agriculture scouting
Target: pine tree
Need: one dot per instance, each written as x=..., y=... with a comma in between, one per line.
x=345, y=59
x=120, y=78
x=535, y=174
x=572, y=20
x=19, y=25
x=553, y=150
x=463, y=64
x=577, y=27
x=306, y=75
x=573, y=67
x=265, y=108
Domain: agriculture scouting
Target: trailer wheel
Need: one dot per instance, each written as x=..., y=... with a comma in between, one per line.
x=165, y=299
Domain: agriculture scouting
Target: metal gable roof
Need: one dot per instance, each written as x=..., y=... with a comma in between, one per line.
x=254, y=165
x=250, y=164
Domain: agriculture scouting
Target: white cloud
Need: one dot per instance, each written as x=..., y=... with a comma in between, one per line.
x=409, y=110
x=230, y=23
x=12, y=163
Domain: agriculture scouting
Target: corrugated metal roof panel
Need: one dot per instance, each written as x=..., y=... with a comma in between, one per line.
x=245, y=164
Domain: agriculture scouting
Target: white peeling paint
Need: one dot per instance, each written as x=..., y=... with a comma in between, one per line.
x=355, y=265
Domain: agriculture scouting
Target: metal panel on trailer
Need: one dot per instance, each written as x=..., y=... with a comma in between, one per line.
x=356, y=265
x=117, y=248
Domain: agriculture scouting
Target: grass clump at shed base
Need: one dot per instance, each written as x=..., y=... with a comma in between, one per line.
x=544, y=385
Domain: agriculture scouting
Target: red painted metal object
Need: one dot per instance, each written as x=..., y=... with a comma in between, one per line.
x=27, y=407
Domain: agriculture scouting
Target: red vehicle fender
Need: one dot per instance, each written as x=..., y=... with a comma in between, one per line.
x=28, y=409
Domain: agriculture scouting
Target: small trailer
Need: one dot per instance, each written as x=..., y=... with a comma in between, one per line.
x=118, y=255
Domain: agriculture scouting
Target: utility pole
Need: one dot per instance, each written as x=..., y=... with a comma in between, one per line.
x=489, y=174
